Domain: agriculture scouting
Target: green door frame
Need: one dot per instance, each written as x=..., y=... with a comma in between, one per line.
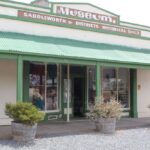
x=98, y=82
x=133, y=95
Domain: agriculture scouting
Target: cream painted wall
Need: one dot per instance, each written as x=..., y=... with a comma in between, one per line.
x=47, y=30
x=143, y=93
x=8, y=76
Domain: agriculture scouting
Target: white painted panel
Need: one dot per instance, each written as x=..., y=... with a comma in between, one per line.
x=47, y=30
x=7, y=87
x=66, y=110
x=143, y=93
x=8, y=11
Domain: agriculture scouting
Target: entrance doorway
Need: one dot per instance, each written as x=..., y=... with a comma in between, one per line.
x=78, y=97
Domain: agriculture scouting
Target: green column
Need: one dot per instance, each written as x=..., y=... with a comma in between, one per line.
x=133, y=91
x=20, y=79
x=98, y=81
x=26, y=68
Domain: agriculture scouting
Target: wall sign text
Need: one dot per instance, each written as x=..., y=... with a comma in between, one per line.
x=77, y=23
x=86, y=15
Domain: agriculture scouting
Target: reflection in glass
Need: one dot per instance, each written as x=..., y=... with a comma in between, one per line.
x=37, y=86
x=43, y=81
x=115, y=84
x=123, y=86
x=109, y=84
x=52, y=84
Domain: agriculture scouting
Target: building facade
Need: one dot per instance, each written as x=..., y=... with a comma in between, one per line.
x=63, y=57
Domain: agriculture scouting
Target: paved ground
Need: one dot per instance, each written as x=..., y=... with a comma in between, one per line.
x=132, y=139
x=61, y=128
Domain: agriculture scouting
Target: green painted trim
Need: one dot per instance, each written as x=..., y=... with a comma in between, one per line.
x=26, y=69
x=85, y=61
x=78, y=61
x=8, y=56
x=98, y=81
x=124, y=65
x=58, y=59
x=21, y=3
x=133, y=93
x=20, y=79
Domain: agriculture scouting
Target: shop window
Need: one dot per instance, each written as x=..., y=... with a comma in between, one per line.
x=43, y=89
x=52, y=88
x=115, y=85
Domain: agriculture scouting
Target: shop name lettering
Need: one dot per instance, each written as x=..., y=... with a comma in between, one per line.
x=85, y=15
x=77, y=23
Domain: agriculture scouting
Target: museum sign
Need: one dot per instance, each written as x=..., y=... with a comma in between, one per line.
x=77, y=23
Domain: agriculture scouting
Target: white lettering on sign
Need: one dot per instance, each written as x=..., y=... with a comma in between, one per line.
x=86, y=15
x=74, y=23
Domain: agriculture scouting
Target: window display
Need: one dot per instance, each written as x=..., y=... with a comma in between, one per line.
x=43, y=91
x=115, y=84
x=109, y=84
x=51, y=85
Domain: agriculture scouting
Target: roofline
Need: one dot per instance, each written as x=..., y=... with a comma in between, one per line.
x=22, y=3
x=135, y=24
x=30, y=4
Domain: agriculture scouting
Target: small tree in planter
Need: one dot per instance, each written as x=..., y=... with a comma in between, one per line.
x=105, y=114
x=25, y=116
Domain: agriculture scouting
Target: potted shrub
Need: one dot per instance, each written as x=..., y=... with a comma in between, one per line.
x=25, y=117
x=105, y=114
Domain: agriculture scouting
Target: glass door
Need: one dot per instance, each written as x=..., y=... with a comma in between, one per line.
x=109, y=84
x=123, y=87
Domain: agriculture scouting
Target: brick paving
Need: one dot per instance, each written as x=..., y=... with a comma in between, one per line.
x=61, y=128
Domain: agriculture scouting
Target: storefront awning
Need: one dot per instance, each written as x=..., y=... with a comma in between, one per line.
x=59, y=47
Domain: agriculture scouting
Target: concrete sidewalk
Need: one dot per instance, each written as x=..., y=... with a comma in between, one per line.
x=61, y=128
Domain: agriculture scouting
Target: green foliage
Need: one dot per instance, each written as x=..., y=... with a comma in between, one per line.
x=24, y=113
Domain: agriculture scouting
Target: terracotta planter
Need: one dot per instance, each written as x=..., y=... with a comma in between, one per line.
x=22, y=132
x=106, y=125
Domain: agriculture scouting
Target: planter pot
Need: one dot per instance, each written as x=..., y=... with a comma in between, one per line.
x=106, y=125
x=22, y=132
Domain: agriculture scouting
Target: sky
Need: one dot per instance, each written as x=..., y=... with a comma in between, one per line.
x=134, y=11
